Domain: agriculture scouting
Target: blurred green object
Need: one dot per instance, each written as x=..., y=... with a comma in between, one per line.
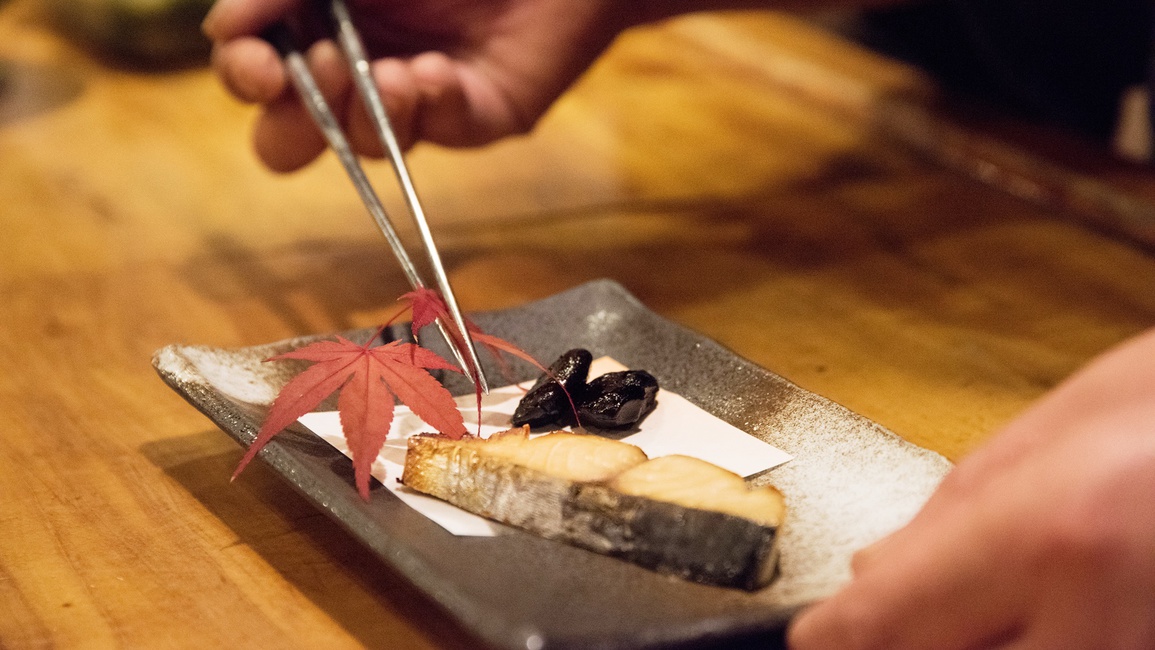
x=156, y=32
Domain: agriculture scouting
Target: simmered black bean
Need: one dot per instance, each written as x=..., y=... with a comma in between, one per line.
x=618, y=400
x=546, y=402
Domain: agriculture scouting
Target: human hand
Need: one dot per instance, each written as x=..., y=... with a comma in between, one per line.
x=1044, y=538
x=453, y=72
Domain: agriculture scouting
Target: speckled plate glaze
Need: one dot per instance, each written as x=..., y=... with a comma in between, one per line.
x=850, y=483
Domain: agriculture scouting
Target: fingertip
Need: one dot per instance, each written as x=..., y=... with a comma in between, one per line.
x=800, y=631
x=867, y=556
x=250, y=69
x=433, y=72
x=211, y=26
x=831, y=623
x=285, y=139
x=811, y=629
x=328, y=67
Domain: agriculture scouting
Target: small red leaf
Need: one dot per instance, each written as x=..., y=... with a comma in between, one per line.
x=427, y=307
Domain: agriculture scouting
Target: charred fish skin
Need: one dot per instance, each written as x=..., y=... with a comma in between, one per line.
x=546, y=402
x=698, y=545
x=702, y=546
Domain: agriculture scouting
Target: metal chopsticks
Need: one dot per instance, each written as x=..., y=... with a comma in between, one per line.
x=302, y=79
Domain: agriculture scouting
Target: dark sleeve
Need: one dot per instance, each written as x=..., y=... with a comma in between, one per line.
x=1059, y=61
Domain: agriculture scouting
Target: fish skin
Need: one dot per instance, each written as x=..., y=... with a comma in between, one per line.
x=699, y=545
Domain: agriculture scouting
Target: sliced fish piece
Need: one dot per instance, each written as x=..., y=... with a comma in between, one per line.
x=675, y=515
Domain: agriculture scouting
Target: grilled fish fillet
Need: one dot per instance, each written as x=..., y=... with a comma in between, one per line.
x=675, y=514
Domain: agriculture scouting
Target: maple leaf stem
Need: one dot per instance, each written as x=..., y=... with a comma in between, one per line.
x=379, y=334
x=396, y=316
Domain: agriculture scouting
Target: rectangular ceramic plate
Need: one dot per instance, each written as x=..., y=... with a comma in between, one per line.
x=850, y=482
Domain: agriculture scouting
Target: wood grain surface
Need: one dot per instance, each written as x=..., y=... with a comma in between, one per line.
x=746, y=175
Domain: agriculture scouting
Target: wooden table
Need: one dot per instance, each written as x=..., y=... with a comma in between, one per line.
x=745, y=175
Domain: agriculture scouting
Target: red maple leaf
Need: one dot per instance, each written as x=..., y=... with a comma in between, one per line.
x=428, y=306
x=368, y=378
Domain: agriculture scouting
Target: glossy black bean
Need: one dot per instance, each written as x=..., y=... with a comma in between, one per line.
x=618, y=400
x=546, y=402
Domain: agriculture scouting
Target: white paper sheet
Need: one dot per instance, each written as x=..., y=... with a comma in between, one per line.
x=675, y=426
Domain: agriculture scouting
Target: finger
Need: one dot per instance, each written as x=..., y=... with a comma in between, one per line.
x=861, y=619
x=931, y=591
x=399, y=94
x=496, y=108
x=361, y=131
x=250, y=69
x=443, y=115
x=232, y=18
x=285, y=136
x=459, y=106
x=865, y=557
x=951, y=499
x=399, y=90
x=1093, y=389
